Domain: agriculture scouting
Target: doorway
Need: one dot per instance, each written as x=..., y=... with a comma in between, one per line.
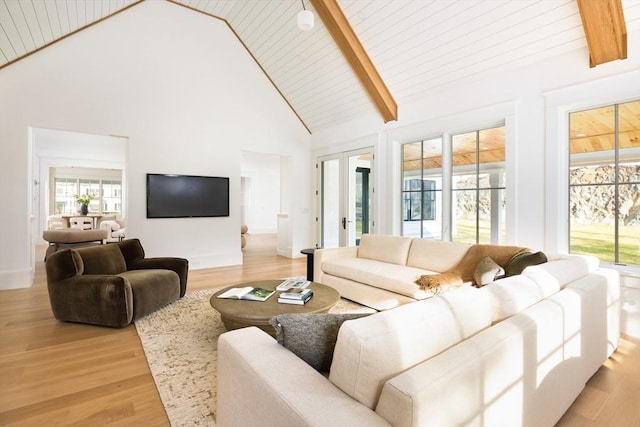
x=345, y=197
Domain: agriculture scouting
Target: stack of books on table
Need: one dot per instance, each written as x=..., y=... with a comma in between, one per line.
x=295, y=296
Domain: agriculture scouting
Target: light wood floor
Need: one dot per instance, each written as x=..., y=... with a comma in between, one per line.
x=54, y=373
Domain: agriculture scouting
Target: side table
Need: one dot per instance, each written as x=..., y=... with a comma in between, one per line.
x=309, y=254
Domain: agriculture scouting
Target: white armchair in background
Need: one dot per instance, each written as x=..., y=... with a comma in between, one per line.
x=115, y=230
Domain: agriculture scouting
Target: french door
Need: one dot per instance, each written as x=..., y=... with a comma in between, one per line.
x=345, y=197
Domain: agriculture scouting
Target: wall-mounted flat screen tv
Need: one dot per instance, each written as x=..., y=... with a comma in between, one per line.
x=186, y=196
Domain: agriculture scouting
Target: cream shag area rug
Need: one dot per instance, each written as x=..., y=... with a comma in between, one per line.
x=180, y=342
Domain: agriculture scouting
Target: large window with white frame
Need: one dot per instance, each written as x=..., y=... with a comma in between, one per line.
x=422, y=189
x=104, y=184
x=604, y=183
x=475, y=179
x=478, y=186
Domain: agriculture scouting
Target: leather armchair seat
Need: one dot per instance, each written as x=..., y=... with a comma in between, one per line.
x=112, y=285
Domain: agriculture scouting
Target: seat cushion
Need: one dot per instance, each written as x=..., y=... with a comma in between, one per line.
x=371, y=350
x=393, y=277
x=152, y=289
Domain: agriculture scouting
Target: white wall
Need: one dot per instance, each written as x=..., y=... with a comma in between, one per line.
x=188, y=97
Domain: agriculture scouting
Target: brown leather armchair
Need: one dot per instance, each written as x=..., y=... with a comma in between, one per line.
x=113, y=284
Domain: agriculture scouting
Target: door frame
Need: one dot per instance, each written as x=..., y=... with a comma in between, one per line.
x=343, y=198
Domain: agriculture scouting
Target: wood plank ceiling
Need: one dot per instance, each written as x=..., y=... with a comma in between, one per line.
x=417, y=46
x=590, y=131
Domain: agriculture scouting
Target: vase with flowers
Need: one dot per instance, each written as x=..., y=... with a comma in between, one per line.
x=83, y=200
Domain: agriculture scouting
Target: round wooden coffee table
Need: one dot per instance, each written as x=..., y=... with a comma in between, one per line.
x=242, y=313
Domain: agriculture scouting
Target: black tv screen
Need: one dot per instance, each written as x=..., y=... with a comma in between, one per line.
x=186, y=196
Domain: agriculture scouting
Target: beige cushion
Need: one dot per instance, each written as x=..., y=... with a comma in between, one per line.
x=393, y=277
x=373, y=349
x=486, y=272
x=566, y=269
x=385, y=248
x=67, y=235
x=103, y=259
x=435, y=255
x=513, y=294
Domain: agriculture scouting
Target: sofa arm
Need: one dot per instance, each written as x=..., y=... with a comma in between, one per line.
x=179, y=265
x=262, y=383
x=322, y=255
x=95, y=299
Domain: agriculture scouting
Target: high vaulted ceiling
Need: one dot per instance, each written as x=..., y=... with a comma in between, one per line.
x=417, y=46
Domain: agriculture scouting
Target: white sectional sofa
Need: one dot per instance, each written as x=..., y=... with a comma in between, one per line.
x=381, y=271
x=516, y=352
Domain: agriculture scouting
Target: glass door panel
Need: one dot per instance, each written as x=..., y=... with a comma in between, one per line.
x=330, y=202
x=345, y=198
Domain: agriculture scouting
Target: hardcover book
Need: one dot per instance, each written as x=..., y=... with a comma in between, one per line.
x=296, y=294
x=293, y=283
x=298, y=301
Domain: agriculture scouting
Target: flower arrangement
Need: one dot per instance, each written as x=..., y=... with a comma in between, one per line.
x=84, y=199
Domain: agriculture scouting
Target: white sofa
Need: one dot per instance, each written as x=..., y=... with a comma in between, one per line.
x=515, y=352
x=381, y=271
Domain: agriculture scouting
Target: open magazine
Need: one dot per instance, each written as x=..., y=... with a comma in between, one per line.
x=248, y=293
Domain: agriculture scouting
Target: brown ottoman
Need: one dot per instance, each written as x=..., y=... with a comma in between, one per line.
x=71, y=237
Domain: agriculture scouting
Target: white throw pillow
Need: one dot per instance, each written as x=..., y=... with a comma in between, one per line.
x=487, y=271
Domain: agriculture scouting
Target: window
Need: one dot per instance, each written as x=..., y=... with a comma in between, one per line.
x=604, y=183
x=478, y=186
x=422, y=189
x=108, y=192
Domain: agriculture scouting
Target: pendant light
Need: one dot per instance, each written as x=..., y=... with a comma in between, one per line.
x=305, y=18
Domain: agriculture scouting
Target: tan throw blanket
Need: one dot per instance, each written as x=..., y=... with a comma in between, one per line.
x=463, y=271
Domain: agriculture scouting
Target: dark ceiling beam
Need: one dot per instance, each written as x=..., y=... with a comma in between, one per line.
x=346, y=39
x=605, y=30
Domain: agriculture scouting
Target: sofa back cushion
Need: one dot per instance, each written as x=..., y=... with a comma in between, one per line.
x=384, y=248
x=132, y=251
x=371, y=350
x=513, y=294
x=63, y=264
x=565, y=269
x=103, y=259
x=435, y=255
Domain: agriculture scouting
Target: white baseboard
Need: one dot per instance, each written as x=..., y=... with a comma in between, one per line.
x=630, y=313
x=222, y=259
x=16, y=279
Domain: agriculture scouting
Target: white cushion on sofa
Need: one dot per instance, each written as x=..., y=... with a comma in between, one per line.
x=392, y=277
x=371, y=350
x=513, y=294
x=435, y=255
x=379, y=247
x=566, y=269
